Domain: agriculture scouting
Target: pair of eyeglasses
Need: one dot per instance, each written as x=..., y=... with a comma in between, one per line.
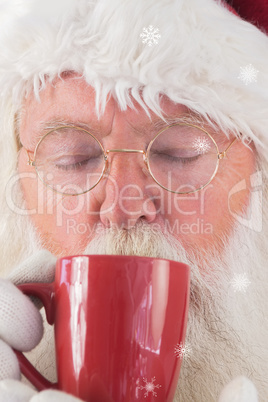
x=181, y=158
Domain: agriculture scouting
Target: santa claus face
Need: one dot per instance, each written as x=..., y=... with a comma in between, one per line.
x=127, y=194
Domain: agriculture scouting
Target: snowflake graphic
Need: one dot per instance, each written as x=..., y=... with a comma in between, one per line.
x=149, y=387
x=248, y=74
x=182, y=350
x=150, y=35
x=240, y=282
x=201, y=145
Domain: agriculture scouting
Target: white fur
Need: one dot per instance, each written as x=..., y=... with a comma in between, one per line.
x=196, y=62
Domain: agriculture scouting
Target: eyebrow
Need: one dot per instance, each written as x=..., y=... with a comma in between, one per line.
x=156, y=122
x=150, y=126
x=47, y=126
x=159, y=123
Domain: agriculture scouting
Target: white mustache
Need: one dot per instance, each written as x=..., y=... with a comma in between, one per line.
x=140, y=240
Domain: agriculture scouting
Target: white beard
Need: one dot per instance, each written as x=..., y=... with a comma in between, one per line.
x=227, y=331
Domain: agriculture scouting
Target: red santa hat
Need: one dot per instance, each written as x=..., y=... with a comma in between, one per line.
x=255, y=12
x=197, y=53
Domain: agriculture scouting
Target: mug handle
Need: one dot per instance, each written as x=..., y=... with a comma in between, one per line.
x=46, y=293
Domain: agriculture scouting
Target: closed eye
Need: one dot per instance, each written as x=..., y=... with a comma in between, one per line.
x=76, y=162
x=174, y=155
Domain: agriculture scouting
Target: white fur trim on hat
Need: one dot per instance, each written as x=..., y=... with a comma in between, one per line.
x=196, y=62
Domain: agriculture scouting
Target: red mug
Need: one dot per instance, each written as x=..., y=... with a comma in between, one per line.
x=117, y=321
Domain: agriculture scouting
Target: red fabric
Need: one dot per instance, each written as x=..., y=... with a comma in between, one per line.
x=254, y=11
x=231, y=8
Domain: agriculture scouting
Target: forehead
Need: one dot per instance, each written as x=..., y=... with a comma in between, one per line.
x=72, y=99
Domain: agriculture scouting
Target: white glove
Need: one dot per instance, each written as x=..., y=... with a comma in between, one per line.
x=15, y=391
x=241, y=389
x=40, y=267
x=21, y=325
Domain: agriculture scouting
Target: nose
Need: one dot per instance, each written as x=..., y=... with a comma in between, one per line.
x=125, y=199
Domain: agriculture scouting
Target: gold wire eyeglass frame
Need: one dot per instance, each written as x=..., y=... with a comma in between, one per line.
x=220, y=155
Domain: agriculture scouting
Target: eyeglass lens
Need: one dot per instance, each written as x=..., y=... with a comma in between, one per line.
x=183, y=158
x=70, y=161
